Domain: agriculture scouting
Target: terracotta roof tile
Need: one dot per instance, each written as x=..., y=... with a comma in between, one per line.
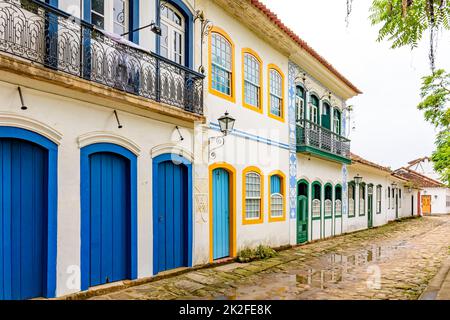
x=356, y=158
x=418, y=179
x=274, y=18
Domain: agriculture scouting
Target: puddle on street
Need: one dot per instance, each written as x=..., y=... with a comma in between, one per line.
x=320, y=273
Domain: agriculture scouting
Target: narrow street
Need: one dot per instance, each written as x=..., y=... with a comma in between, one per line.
x=395, y=261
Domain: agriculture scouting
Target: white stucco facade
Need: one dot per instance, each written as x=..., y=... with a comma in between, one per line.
x=75, y=112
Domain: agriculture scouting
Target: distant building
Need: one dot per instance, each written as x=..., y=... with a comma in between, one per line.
x=424, y=166
x=435, y=196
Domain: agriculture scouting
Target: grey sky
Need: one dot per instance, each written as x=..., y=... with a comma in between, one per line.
x=388, y=127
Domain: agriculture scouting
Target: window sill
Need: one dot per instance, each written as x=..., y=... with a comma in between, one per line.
x=252, y=221
x=222, y=95
x=253, y=108
x=281, y=119
x=277, y=219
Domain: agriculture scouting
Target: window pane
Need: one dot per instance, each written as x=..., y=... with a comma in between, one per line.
x=98, y=6
x=275, y=93
x=328, y=208
x=164, y=40
x=252, y=208
x=275, y=106
x=253, y=195
x=351, y=207
x=275, y=184
x=338, y=208
x=98, y=20
x=251, y=80
x=316, y=208
x=276, y=205
x=176, y=18
x=221, y=64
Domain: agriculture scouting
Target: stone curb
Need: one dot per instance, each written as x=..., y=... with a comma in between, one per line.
x=435, y=285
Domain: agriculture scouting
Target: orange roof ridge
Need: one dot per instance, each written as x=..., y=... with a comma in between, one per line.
x=356, y=158
x=421, y=175
x=274, y=18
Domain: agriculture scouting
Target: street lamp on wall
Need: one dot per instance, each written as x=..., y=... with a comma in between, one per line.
x=358, y=179
x=226, y=124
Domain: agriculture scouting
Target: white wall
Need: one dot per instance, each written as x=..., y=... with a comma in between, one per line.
x=241, y=148
x=75, y=118
x=324, y=171
x=438, y=199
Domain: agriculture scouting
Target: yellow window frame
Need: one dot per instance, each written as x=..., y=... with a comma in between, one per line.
x=232, y=97
x=253, y=53
x=246, y=221
x=271, y=67
x=283, y=192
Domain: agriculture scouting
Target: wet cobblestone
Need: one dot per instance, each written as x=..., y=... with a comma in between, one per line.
x=395, y=261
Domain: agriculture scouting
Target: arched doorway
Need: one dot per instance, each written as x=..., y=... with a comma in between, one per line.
x=302, y=211
x=172, y=212
x=328, y=211
x=222, y=211
x=28, y=221
x=337, y=210
x=108, y=214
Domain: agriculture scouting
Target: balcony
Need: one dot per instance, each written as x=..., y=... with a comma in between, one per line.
x=319, y=141
x=39, y=33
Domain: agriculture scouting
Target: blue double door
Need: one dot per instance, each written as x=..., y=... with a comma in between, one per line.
x=23, y=219
x=221, y=213
x=110, y=218
x=172, y=216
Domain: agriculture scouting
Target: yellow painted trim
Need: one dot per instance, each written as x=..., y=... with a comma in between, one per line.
x=246, y=221
x=232, y=172
x=283, y=190
x=276, y=68
x=232, y=97
x=246, y=105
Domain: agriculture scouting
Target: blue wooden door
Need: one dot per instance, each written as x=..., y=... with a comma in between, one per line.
x=221, y=214
x=109, y=218
x=23, y=219
x=172, y=216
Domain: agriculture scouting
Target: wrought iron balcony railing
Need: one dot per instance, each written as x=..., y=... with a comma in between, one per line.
x=37, y=32
x=310, y=134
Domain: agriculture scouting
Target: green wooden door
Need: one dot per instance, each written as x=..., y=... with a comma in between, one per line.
x=370, y=211
x=326, y=116
x=302, y=219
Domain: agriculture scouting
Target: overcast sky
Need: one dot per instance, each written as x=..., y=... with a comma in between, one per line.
x=388, y=127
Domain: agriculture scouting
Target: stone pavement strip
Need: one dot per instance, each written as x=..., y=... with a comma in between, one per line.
x=395, y=261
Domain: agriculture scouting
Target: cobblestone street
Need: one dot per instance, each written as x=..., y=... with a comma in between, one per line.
x=405, y=254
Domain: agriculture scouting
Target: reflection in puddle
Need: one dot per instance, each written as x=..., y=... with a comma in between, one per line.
x=324, y=272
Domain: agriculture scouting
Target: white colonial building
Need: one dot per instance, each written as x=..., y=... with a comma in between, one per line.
x=435, y=195
x=113, y=162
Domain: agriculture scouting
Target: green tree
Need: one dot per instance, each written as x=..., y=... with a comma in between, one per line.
x=435, y=94
x=404, y=23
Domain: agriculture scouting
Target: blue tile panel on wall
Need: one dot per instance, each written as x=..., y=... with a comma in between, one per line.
x=293, y=72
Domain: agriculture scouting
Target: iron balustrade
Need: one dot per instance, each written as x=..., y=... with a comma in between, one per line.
x=311, y=134
x=42, y=34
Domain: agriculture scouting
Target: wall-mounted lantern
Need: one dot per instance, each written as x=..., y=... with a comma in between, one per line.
x=358, y=179
x=394, y=185
x=226, y=124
